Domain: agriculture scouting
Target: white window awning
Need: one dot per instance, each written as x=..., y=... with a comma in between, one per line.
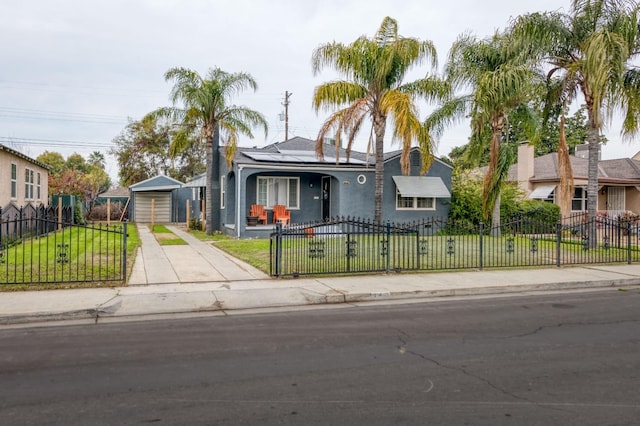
x=542, y=192
x=421, y=186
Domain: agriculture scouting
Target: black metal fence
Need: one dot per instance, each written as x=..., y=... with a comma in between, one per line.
x=347, y=245
x=42, y=245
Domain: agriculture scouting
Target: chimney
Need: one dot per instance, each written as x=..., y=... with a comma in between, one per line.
x=525, y=169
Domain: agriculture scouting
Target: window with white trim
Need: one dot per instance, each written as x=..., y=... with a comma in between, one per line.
x=579, y=200
x=14, y=181
x=28, y=184
x=274, y=190
x=38, y=186
x=414, y=203
x=222, y=192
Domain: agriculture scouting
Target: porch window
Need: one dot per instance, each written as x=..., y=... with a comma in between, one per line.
x=579, y=200
x=278, y=190
x=222, y=193
x=414, y=203
x=14, y=180
x=28, y=184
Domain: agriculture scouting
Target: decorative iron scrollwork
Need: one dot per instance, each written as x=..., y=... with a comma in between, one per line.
x=423, y=247
x=62, y=253
x=384, y=247
x=451, y=246
x=510, y=245
x=351, y=248
x=316, y=249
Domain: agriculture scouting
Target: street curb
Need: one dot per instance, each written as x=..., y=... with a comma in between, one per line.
x=496, y=290
x=331, y=298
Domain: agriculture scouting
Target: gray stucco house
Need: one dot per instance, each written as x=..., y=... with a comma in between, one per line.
x=289, y=173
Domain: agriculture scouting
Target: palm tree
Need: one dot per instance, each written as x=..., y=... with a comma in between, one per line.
x=591, y=48
x=96, y=159
x=373, y=88
x=497, y=82
x=204, y=106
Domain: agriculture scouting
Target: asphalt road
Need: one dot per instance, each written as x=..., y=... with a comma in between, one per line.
x=571, y=359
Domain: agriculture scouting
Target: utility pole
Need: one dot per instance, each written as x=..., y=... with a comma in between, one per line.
x=287, y=95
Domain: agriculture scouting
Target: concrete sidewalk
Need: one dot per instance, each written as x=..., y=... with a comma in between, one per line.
x=249, y=294
x=198, y=261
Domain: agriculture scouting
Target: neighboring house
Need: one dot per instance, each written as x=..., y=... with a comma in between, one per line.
x=289, y=173
x=23, y=180
x=619, y=180
x=159, y=199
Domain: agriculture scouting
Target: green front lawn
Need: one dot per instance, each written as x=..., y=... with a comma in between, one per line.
x=74, y=256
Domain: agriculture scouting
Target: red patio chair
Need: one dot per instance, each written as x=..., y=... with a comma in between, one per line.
x=280, y=213
x=258, y=210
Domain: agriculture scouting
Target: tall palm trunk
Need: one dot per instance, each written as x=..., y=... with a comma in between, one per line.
x=493, y=178
x=592, y=185
x=379, y=123
x=565, y=188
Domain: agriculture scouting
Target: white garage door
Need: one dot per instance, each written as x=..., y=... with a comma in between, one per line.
x=162, y=207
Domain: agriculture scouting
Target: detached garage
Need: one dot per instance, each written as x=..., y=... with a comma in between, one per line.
x=159, y=192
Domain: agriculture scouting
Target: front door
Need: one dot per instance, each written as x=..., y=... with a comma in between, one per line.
x=326, y=197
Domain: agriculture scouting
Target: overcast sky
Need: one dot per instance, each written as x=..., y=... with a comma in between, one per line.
x=72, y=71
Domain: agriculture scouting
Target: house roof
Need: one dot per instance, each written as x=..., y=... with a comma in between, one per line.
x=24, y=157
x=120, y=192
x=620, y=170
x=197, y=181
x=302, y=152
x=156, y=183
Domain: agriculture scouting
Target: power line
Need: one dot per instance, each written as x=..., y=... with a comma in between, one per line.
x=55, y=142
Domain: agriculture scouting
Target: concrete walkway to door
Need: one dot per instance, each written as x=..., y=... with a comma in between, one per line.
x=198, y=261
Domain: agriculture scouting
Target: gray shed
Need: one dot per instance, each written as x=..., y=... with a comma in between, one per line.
x=159, y=191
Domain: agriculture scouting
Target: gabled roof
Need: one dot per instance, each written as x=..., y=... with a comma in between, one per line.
x=156, y=183
x=620, y=170
x=24, y=157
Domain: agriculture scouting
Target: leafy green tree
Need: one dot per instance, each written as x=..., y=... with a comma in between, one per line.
x=591, y=50
x=77, y=162
x=498, y=82
x=141, y=152
x=373, y=88
x=55, y=160
x=203, y=104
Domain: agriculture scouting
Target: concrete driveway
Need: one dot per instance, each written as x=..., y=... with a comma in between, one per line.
x=199, y=261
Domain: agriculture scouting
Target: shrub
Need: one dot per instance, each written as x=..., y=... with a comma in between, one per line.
x=99, y=212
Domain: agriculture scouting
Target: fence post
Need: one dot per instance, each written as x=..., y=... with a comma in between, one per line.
x=389, y=247
x=278, y=249
x=558, y=242
x=124, y=252
x=481, y=248
x=59, y=213
x=188, y=214
x=629, y=242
